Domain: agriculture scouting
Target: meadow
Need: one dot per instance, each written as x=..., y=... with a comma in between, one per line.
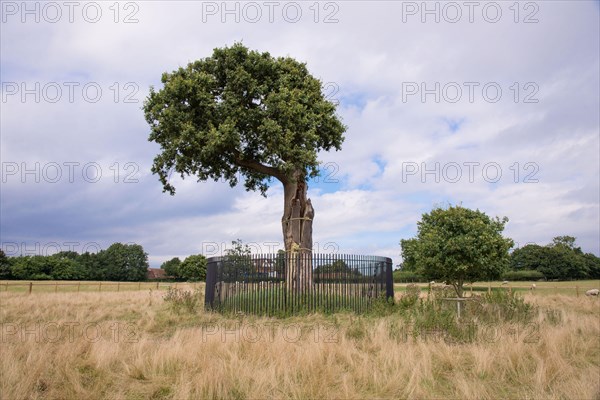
x=568, y=288
x=132, y=344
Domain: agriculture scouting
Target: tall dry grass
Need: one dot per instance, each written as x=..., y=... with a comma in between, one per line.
x=131, y=345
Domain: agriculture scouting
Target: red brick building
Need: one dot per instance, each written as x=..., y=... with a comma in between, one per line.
x=156, y=273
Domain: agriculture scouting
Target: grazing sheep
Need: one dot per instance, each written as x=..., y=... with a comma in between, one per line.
x=505, y=283
x=592, y=292
x=432, y=283
x=532, y=286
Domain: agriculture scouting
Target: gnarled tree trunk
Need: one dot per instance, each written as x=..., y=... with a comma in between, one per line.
x=296, y=222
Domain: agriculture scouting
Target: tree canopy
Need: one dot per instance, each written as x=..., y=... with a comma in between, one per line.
x=241, y=112
x=562, y=259
x=193, y=268
x=458, y=245
x=171, y=267
x=125, y=262
x=119, y=262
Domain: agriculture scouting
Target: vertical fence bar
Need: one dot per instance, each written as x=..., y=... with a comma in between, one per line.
x=250, y=305
x=263, y=279
x=30, y=287
x=352, y=286
x=346, y=284
x=389, y=280
x=260, y=288
x=308, y=282
x=243, y=287
x=332, y=278
x=253, y=302
x=304, y=275
x=360, y=286
x=211, y=280
x=364, y=286
x=280, y=299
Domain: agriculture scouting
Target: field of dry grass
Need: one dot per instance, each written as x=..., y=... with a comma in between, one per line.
x=81, y=286
x=132, y=345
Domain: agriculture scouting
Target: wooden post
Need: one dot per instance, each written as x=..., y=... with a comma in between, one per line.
x=577, y=290
x=30, y=287
x=156, y=285
x=471, y=289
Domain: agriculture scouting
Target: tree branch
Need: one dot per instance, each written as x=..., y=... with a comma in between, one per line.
x=258, y=167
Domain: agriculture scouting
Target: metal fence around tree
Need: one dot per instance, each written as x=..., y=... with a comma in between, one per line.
x=282, y=284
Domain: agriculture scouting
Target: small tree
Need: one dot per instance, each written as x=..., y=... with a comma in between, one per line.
x=238, y=249
x=193, y=268
x=459, y=245
x=171, y=267
x=239, y=261
x=124, y=262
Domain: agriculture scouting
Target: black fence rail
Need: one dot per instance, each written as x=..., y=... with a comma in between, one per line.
x=282, y=284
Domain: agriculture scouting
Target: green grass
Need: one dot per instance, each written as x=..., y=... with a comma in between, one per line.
x=568, y=288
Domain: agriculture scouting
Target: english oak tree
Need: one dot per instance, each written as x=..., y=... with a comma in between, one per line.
x=244, y=113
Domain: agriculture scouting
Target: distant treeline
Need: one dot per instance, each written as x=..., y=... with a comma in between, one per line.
x=560, y=260
x=119, y=262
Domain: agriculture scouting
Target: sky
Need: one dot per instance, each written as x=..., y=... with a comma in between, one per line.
x=491, y=105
